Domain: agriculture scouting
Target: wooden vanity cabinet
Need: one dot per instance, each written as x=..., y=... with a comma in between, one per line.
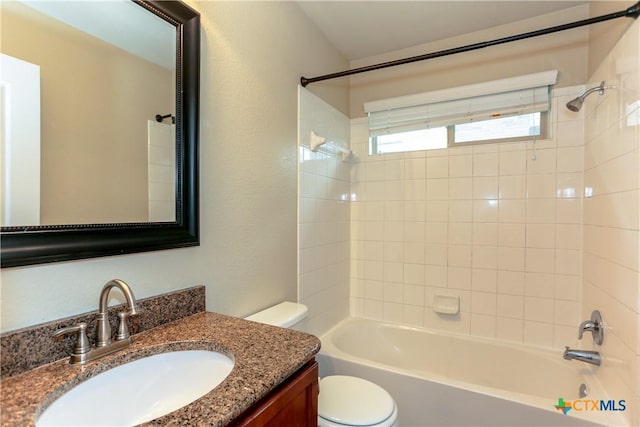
x=294, y=403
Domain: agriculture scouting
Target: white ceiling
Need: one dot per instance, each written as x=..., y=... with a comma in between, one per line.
x=365, y=28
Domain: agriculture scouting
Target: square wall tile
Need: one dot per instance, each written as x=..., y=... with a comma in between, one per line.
x=540, y=211
x=541, y=235
x=484, y=280
x=570, y=133
x=459, y=255
x=485, y=234
x=437, y=167
x=511, y=306
x=483, y=326
x=511, y=282
x=460, y=210
x=486, y=164
x=392, y=312
x=568, y=261
x=485, y=257
x=394, y=252
x=511, y=259
x=541, y=161
x=570, y=185
x=413, y=294
x=566, y=313
x=461, y=233
x=485, y=210
x=437, y=211
x=436, y=254
x=414, y=189
x=459, y=277
x=411, y=252
x=540, y=260
x=485, y=187
x=541, y=186
x=415, y=168
x=567, y=287
x=460, y=188
x=568, y=211
x=570, y=159
x=483, y=303
x=512, y=211
x=513, y=163
x=413, y=316
x=539, y=310
x=512, y=234
x=512, y=187
x=568, y=236
x=460, y=166
x=540, y=285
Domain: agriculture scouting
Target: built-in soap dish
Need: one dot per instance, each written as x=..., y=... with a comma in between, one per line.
x=446, y=304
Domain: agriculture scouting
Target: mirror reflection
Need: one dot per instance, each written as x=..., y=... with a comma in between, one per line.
x=81, y=86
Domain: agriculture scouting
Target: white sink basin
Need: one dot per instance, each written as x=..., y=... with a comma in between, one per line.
x=139, y=391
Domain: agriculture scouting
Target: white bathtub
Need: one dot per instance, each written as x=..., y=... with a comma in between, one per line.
x=454, y=380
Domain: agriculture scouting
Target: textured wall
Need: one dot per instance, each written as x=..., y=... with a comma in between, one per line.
x=251, y=65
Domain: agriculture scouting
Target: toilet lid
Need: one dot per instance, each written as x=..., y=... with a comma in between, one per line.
x=353, y=401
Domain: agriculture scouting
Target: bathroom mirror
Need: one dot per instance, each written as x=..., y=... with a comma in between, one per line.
x=119, y=223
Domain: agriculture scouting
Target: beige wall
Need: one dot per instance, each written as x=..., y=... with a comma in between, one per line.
x=604, y=35
x=96, y=100
x=253, y=55
x=566, y=51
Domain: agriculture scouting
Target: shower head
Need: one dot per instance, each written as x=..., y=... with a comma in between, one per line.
x=576, y=104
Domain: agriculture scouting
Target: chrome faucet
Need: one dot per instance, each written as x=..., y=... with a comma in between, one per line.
x=593, y=325
x=596, y=327
x=83, y=352
x=592, y=357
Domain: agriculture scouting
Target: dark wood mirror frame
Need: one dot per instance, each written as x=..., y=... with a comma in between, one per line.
x=30, y=245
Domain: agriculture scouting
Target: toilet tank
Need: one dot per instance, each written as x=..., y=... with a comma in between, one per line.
x=285, y=314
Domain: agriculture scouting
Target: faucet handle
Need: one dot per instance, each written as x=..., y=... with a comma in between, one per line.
x=123, y=326
x=82, y=342
x=595, y=326
x=587, y=326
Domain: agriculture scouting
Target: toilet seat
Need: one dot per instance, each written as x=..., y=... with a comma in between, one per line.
x=352, y=401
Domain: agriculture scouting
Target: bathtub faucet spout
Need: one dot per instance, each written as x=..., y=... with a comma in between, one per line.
x=587, y=356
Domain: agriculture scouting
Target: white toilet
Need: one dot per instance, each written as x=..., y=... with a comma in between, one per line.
x=344, y=401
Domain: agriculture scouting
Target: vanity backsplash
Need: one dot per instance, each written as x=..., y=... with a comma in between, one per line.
x=30, y=347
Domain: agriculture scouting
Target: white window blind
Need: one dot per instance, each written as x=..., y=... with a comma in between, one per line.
x=483, y=101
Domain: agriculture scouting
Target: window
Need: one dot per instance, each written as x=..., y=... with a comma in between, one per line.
x=417, y=140
x=515, y=109
x=523, y=127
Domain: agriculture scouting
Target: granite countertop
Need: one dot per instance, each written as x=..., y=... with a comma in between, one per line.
x=264, y=357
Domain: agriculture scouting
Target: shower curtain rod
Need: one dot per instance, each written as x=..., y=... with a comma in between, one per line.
x=631, y=12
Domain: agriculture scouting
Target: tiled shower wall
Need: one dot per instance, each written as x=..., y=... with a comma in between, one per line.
x=323, y=216
x=497, y=225
x=530, y=236
x=612, y=219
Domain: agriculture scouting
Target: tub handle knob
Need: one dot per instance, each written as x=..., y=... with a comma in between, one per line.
x=593, y=325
